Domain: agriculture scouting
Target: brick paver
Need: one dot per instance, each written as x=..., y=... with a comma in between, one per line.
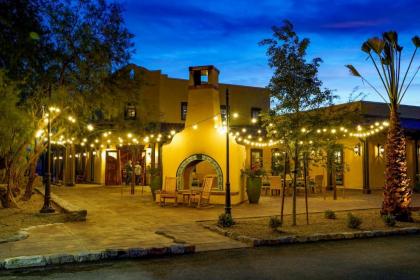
x=117, y=219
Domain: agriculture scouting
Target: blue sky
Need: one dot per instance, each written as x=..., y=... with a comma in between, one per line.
x=172, y=35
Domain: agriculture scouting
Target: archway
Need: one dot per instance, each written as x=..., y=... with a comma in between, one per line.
x=189, y=165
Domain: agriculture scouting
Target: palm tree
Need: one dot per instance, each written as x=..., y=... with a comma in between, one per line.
x=385, y=54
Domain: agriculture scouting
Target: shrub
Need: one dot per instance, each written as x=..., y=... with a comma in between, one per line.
x=274, y=223
x=225, y=220
x=329, y=214
x=353, y=221
x=389, y=220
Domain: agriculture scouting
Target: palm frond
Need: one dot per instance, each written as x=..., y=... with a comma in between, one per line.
x=366, y=48
x=416, y=41
x=391, y=37
x=376, y=44
x=353, y=70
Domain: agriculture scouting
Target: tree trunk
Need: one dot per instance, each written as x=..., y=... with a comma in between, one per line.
x=9, y=201
x=334, y=180
x=30, y=183
x=295, y=171
x=397, y=192
x=284, y=188
x=305, y=171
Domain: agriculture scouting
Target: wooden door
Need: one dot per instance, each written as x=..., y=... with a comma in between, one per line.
x=112, y=168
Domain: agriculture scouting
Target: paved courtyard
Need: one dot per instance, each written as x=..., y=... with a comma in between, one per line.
x=117, y=219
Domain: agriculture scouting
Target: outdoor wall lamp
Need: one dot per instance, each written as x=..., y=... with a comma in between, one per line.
x=356, y=149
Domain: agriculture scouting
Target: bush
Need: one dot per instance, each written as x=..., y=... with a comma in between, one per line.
x=389, y=220
x=353, y=221
x=329, y=214
x=225, y=220
x=274, y=223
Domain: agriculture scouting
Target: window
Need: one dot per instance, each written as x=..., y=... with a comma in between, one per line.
x=223, y=112
x=277, y=162
x=130, y=112
x=131, y=74
x=201, y=77
x=184, y=106
x=256, y=158
x=339, y=165
x=255, y=113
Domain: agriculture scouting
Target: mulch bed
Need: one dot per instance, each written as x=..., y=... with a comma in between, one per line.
x=259, y=227
x=12, y=219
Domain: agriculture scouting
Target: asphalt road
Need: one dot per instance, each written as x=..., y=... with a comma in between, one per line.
x=380, y=258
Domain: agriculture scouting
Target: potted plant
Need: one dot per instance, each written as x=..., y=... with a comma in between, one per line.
x=155, y=181
x=254, y=182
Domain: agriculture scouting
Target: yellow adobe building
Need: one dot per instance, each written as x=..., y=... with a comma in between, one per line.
x=182, y=134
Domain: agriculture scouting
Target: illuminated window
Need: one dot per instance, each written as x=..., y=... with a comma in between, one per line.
x=184, y=107
x=339, y=165
x=130, y=112
x=256, y=157
x=277, y=162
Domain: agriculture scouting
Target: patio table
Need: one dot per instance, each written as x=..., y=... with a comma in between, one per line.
x=187, y=194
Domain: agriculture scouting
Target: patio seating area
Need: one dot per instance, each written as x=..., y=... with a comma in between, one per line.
x=274, y=185
x=197, y=196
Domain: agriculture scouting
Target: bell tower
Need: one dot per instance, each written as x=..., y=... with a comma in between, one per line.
x=203, y=95
x=204, y=140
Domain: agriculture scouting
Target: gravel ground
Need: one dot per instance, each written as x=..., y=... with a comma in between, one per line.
x=258, y=227
x=13, y=219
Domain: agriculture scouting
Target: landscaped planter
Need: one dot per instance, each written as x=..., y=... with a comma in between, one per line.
x=253, y=189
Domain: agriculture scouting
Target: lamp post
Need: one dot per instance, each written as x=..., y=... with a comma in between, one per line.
x=228, y=207
x=47, y=208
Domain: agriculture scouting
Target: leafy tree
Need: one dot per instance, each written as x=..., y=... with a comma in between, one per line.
x=65, y=53
x=385, y=55
x=14, y=134
x=295, y=88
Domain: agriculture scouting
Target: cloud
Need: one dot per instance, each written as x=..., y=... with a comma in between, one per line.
x=172, y=35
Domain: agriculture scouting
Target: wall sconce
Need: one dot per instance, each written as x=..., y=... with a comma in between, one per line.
x=380, y=150
x=356, y=149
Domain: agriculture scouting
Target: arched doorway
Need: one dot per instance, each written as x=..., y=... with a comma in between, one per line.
x=194, y=167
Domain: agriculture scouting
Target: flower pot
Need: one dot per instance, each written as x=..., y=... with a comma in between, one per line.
x=253, y=189
x=155, y=185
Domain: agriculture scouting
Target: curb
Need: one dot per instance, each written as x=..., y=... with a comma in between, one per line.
x=74, y=213
x=316, y=237
x=24, y=262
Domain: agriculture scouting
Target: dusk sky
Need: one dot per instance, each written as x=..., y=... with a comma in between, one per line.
x=172, y=35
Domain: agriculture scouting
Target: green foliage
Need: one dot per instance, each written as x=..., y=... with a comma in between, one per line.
x=256, y=171
x=389, y=220
x=329, y=214
x=385, y=53
x=297, y=96
x=416, y=187
x=274, y=223
x=225, y=220
x=15, y=127
x=353, y=221
x=65, y=54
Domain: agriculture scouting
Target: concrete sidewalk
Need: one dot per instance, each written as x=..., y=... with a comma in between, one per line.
x=117, y=219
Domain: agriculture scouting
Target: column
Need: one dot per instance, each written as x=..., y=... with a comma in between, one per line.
x=69, y=166
x=365, y=166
